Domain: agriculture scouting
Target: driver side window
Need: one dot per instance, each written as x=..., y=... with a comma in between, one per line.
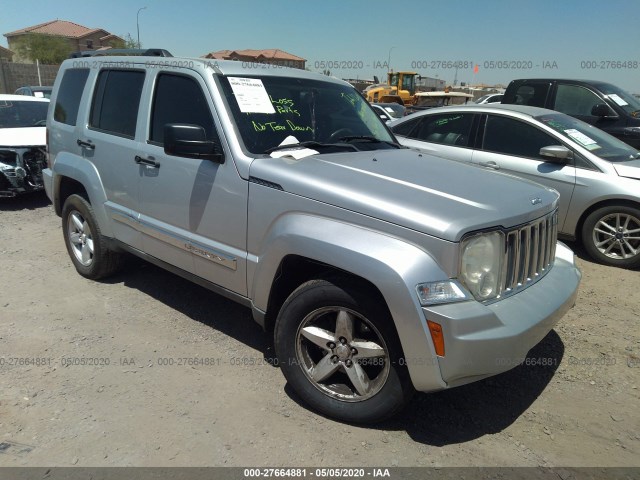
x=513, y=137
x=574, y=100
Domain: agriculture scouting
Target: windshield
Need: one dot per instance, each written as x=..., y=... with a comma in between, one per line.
x=269, y=109
x=625, y=100
x=16, y=114
x=592, y=138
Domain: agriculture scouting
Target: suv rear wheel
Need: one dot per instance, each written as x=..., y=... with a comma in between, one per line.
x=86, y=247
x=338, y=349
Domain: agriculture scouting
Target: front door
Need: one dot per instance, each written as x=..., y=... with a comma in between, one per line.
x=193, y=211
x=512, y=146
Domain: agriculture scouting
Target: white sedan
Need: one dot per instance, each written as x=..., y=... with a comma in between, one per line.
x=22, y=144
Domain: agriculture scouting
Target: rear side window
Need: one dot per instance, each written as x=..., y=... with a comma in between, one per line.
x=179, y=99
x=116, y=100
x=69, y=94
x=447, y=129
x=533, y=94
x=404, y=129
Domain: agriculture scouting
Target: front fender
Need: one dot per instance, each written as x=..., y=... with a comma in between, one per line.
x=84, y=172
x=393, y=265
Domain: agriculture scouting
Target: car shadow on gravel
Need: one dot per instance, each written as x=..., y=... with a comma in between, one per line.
x=448, y=417
x=485, y=407
x=471, y=411
x=195, y=302
x=28, y=201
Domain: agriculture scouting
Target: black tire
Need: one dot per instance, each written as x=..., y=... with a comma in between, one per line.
x=611, y=235
x=99, y=262
x=319, y=304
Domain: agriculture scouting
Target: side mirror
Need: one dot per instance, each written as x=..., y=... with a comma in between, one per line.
x=190, y=141
x=556, y=154
x=603, y=110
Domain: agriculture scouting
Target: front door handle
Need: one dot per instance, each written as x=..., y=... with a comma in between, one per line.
x=88, y=145
x=490, y=164
x=149, y=162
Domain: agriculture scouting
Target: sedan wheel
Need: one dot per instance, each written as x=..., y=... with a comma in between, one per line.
x=612, y=236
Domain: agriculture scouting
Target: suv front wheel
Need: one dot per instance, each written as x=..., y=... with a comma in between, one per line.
x=338, y=349
x=85, y=244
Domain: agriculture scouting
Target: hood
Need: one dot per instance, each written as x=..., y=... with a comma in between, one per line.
x=432, y=195
x=628, y=169
x=23, y=137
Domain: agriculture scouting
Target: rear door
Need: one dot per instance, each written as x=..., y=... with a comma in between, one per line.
x=108, y=140
x=444, y=134
x=512, y=146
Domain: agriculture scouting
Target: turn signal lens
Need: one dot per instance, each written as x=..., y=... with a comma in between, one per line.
x=438, y=338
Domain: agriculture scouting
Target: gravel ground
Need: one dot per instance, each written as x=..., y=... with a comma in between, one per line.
x=138, y=403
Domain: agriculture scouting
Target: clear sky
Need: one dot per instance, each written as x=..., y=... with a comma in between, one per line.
x=506, y=39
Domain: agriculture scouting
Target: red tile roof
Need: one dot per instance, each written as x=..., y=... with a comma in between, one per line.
x=61, y=28
x=271, y=53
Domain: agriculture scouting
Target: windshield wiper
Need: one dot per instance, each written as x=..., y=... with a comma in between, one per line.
x=368, y=138
x=309, y=144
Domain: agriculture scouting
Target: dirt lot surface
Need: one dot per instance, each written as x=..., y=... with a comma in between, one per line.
x=574, y=404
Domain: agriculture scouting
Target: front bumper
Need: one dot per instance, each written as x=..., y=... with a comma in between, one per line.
x=47, y=180
x=21, y=170
x=484, y=340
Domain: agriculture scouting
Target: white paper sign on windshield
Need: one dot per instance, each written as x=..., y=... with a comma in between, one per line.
x=580, y=137
x=618, y=99
x=38, y=94
x=251, y=95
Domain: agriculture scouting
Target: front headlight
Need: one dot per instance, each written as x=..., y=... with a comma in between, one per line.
x=481, y=264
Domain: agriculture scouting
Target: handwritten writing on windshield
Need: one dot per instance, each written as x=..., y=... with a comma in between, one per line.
x=279, y=127
x=285, y=106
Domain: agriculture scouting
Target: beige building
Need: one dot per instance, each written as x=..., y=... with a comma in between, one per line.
x=271, y=56
x=6, y=54
x=78, y=36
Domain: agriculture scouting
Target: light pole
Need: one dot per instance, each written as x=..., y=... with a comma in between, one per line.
x=138, y=23
x=389, y=59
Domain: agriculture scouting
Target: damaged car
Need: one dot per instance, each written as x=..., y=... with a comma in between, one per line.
x=22, y=144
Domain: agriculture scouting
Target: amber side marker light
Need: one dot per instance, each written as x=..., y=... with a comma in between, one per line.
x=436, y=335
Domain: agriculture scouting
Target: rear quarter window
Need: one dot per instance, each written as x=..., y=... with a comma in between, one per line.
x=69, y=94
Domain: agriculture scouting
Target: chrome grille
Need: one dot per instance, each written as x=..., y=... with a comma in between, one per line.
x=529, y=253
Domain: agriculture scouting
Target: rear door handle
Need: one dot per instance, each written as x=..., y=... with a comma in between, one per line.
x=490, y=164
x=149, y=162
x=87, y=144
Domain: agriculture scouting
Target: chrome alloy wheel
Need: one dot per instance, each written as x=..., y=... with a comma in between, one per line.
x=342, y=353
x=80, y=238
x=617, y=235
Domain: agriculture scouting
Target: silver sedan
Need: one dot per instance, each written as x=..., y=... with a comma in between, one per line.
x=597, y=175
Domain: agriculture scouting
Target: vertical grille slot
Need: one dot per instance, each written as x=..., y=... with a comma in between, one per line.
x=529, y=252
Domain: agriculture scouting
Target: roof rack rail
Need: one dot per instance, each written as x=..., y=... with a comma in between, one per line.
x=143, y=52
